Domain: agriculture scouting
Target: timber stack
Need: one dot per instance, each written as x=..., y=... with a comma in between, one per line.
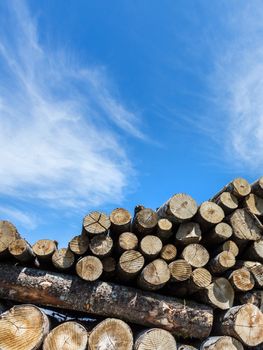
x=184, y=276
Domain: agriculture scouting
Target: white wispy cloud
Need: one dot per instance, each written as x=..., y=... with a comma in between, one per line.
x=60, y=122
x=15, y=215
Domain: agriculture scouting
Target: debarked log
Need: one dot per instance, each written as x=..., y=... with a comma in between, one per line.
x=186, y=319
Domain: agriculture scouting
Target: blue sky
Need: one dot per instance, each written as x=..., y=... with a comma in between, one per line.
x=107, y=104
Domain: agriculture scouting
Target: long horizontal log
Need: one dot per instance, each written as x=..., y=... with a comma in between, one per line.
x=186, y=319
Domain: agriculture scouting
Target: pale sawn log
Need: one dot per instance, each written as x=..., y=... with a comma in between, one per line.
x=111, y=334
x=243, y=322
x=101, y=245
x=239, y=187
x=79, y=245
x=155, y=338
x=179, y=208
x=227, y=246
x=44, y=249
x=96, y=223
x=63, y=259
x=23, y=327
x=145, y=222
x=180, y=270
x=164, y=229
x=257, y=187
x=8, y=233
x=208, y=215
x=255, y=204
x=89, y=268
x=221, y=343
x=219, y=233
x=154, y=275
x=168, y=253
x=183, y=318
x=120, y=221
x=130, y=264
x=256, y=268
x=150, y=246
x=195, y=254
x=221, y=262
x=67, y=336
x=242, y=280
x=227, y=201
x=127, y=241
x=255, y=251
x=21, y=250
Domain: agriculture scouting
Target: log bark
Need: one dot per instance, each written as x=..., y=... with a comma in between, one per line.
x=130, y=264
x=150, y=246
x=120, y=221
x=44, y=249
x=21, y=250
x=254, y=204
x=23, y=327
x=227, y=201
x=220, y=233
x=67, y=336
x=196, y=255
x=164, y=229
x=109, y=267
x=127, y=241
x=243, y=322
x=154, y=275
x=155, y=338
x=79, y=245
x=257, y=187
x=63, y=259
x=242, y=280
x=101, y=245
x=227, y=246
x=254, y=297
x=209, y=214
x=89, y=268
x=246, y=227
x=255, y=251
x=111, y=334
x=179, y=208
x=219, y=294
x=145, y=222
x=180, y=270
x=95, y=223
x=221, y=262
x=186, y=319
x=255, y=268
x=239, y=187
x=8, y=233
x=221, y=343
x=168, y=253
x=187, y=233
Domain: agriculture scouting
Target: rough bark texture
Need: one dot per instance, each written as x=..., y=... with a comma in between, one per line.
x=89, y=268
x=101, y=245
x=227, y=246
x=255, y=251
x=183, y=318
x=209, y=214
x=8, y=233
x=109, y=266
x=67, y=336
x=255, y=268
x=155, y=338
x=168, y=252
x=79, y=245
x=257, y=187
x=111, y=334
x=188, y=232
x=196, y=255
x=23, y=327
x=96, y=223
x=164, y=229
x=21, y=250
x=150, y=246
x=180, y=207
x=243, y=322
x=63, y=259
x=227, y=201
x=145, y=222
x=120, y=221
x=221, y=343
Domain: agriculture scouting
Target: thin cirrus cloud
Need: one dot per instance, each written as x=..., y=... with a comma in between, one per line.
x=60, y=122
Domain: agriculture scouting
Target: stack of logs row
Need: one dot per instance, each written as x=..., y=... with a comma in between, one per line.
x=189, y=273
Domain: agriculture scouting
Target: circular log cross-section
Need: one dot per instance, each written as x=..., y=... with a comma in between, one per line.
x=101, y=245
x=21, y=250
x=227, y=201
x=180, y=270
x=180, y=207
x=222, y=262
x=200, y=278
x=150, y=246
x=111, y=334
x=219, y=294
x=168, y=252
x=221, y=343
x=23, y=327
x=187, y=233
x=243, y=322
x=241, y=280
x=63, y=259
x=164, y=229
x=89, y=268
x=209, y=214
x=120, y=220
x=254, y=204
x=155, y=339
x=130, y=264
x=44, y=249
x=145, y=222
x=154, y=275
x=240, y=187
x=96, y=223
x=79, y=245
x=196, y=255
x=127, y=241
x=220, y=233
x=67, y=336
x=8, y=233
x=227, y=246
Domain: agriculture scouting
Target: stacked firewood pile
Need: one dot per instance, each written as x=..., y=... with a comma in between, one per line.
x=180, y=277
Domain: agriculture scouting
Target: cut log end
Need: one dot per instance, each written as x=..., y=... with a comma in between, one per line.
x=209, y=214
x=201, y=277
x=222, y=262
x=188, y=232
x=180, y=270
x=111, y=334
x=44, y=249
x=120, y=220
x=63, y=259
x=8, y=233
x=154, y=275
x=130, y=264
x=67, y=336
x=219, y=294
x=150, y=246
x=254, y=204
x=101, y=245
x=23, y=327
x=155, y=338
x=242, y=280
x=196, y=255
x=145, y=221
x=21, y=250
x=227, y=201
x=89, y=268
x=96, y=223
x=127, y=241
x=79, y=245
x=168, y=252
